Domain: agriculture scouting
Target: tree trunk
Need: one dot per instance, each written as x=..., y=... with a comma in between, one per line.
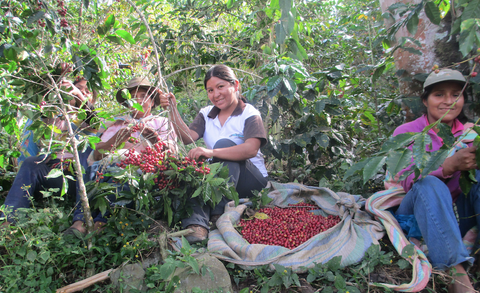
x=438, y=48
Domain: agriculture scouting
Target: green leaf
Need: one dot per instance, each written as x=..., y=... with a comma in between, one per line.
x=403, y=264
x=12, y=66
x=44, y=256
x=372, y=167
x=2, y=161
x=197, y=192
x=285, y=5
x=323, y=140
x=109, y=22
x=126, y=36
x=356, y=167
x=166, y=270
x=399, y=141
x=265, y=199
x=216, y=181
x=137, y=106
x=334, y=263
x=408, y=251
x=340, y=283
x=412, y=24
x=230, y=3
x=280, y=33
x=378, y=72
x=275, y=280
x=31, y=256
x=445, y=132
x=398, y=160
x=273, y=83
x=420, y=154
x=435, y=161
x=477, y=154
x=319, y=106
x=465, y=182
x=352, y=289
x=432, y=12
x=36, y=17
x=192, y=262
x=115, y=39
x=471, y=11
x=54, y=173
x=467, y=40
x=93, y=140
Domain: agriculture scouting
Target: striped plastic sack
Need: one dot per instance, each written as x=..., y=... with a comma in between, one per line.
x=350, y=238
x=378, y=205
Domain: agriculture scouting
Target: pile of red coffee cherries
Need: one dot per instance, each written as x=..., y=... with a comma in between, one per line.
x=157, y=159
x=287, y=227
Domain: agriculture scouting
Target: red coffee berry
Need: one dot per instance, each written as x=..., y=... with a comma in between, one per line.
x=288, y=227
x=473, y=74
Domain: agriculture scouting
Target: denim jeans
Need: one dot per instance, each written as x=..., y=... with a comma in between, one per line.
x=31, y=179
x=430, y=202
x=243, y=174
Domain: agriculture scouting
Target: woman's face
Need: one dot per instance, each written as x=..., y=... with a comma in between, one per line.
x=441, y=99
x=140, y=96
x=82, y=86
x=222, y=93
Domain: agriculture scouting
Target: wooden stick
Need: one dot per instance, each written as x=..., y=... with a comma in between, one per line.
x=78, y=286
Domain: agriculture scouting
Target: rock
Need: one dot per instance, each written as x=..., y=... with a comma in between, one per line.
x=153, y=260
x=128, y=277
x=215, y=279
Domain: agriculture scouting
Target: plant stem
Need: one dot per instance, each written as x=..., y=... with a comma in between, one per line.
x=371, y=56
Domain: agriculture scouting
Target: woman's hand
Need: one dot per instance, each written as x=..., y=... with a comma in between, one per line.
x=462, y=160
x=74, y=92
x=199, y=152
x=166, y=98
x=150, y=134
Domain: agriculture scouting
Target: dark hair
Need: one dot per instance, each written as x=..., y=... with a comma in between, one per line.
x=223, y=72
x=428, y=90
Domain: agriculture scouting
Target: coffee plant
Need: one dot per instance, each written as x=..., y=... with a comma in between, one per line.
x=164, y=182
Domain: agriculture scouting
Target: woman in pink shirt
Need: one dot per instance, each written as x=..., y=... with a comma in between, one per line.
x=430, y=199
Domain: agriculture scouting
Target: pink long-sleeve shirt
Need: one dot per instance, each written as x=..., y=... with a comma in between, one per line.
x=416, y=126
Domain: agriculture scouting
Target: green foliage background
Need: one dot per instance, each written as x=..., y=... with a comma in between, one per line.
x=321, y=73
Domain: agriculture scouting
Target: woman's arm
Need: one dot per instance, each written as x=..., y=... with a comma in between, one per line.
x=186, y=135
x=120, y=137
x=244, y=151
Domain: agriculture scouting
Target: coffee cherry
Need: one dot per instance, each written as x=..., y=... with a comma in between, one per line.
x=63, y=22
x=157, y=159
x=473, y=74
x=288, y=227
x=62, y=12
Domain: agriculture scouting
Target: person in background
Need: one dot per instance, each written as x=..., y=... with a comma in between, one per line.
x=147, y=129
x=233, y=132
x=31, y=178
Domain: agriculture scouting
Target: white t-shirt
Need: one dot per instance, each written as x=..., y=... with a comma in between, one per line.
x=244, y=123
